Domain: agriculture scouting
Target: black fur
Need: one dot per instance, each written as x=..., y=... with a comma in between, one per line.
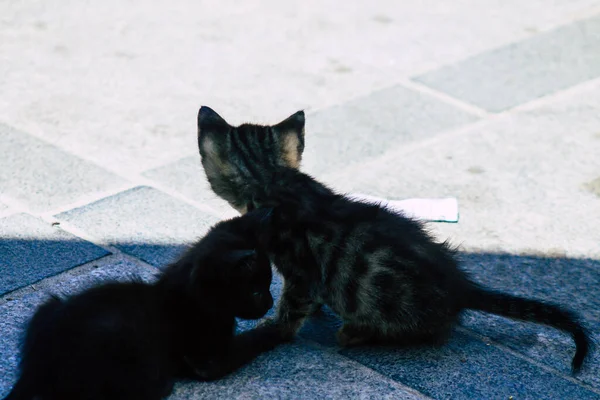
x=381, y=272
x=132, y=340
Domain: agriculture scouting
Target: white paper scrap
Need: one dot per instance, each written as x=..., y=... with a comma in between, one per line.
x=432, y=210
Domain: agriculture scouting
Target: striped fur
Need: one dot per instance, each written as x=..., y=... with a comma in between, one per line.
x=382, y=273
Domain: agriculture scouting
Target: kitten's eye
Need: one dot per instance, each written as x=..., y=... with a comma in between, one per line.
x=256, y=294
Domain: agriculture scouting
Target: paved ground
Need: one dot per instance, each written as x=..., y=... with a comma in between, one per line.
x=494, y=102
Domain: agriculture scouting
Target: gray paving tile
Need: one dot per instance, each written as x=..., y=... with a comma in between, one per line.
x=188, y=178
x=43, y=176
x=143, y=222
x=467, y=368
x=15, y=314
x=33, y=249
x=297, y=371
x=503, y=78
x=366, y=127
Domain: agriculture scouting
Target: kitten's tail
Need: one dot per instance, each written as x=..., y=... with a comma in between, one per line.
x=534, y=311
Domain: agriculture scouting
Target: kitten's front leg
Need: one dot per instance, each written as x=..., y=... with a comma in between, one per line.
x=243, y=348
x=294, y=306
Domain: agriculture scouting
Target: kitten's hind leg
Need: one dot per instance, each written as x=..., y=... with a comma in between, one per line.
x=351, y=334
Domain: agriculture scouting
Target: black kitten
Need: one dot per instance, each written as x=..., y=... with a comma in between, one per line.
x=381, y=272
x=131, y=340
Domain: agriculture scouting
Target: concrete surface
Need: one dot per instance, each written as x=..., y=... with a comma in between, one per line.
x=520, y=72
x=495, y=103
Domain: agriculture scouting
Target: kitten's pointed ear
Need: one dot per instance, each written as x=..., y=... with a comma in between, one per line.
x=291, y=132
x=211, y=127
x=211, y=131
x=208, y=118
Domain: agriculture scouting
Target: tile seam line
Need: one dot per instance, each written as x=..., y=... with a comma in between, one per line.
x=361, y=366
x=16, y=206
x=49, y=216
x=61, y=276
x=134, y=183
x=133, y=179
x=530, y=360
x=410, y=83
x=446, y=98
x=594, y=12
x=88, y=199
x=82, y=234
x=464, y=130
x=475, y=110
x=21, y=291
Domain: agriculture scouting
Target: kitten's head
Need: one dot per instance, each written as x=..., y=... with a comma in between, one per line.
x=236, y=157
x=227, y=272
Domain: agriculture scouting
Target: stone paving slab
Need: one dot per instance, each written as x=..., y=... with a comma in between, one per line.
x=517, y=178
x=32, y=249
x=15, y=314
x=344, y=134
x=467, y=368
x=42, y=176
x=503, y=78
x=143, y=222
x=298, y=371
x=187, y=177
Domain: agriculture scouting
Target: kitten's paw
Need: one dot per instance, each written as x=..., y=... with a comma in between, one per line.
x=206, y=374
x=205, y=371
x=267, y=322
x=318, y=310
x=276, y=328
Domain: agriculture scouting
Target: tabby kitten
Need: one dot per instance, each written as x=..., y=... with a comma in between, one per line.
x=381, y=272
x=132, y=340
